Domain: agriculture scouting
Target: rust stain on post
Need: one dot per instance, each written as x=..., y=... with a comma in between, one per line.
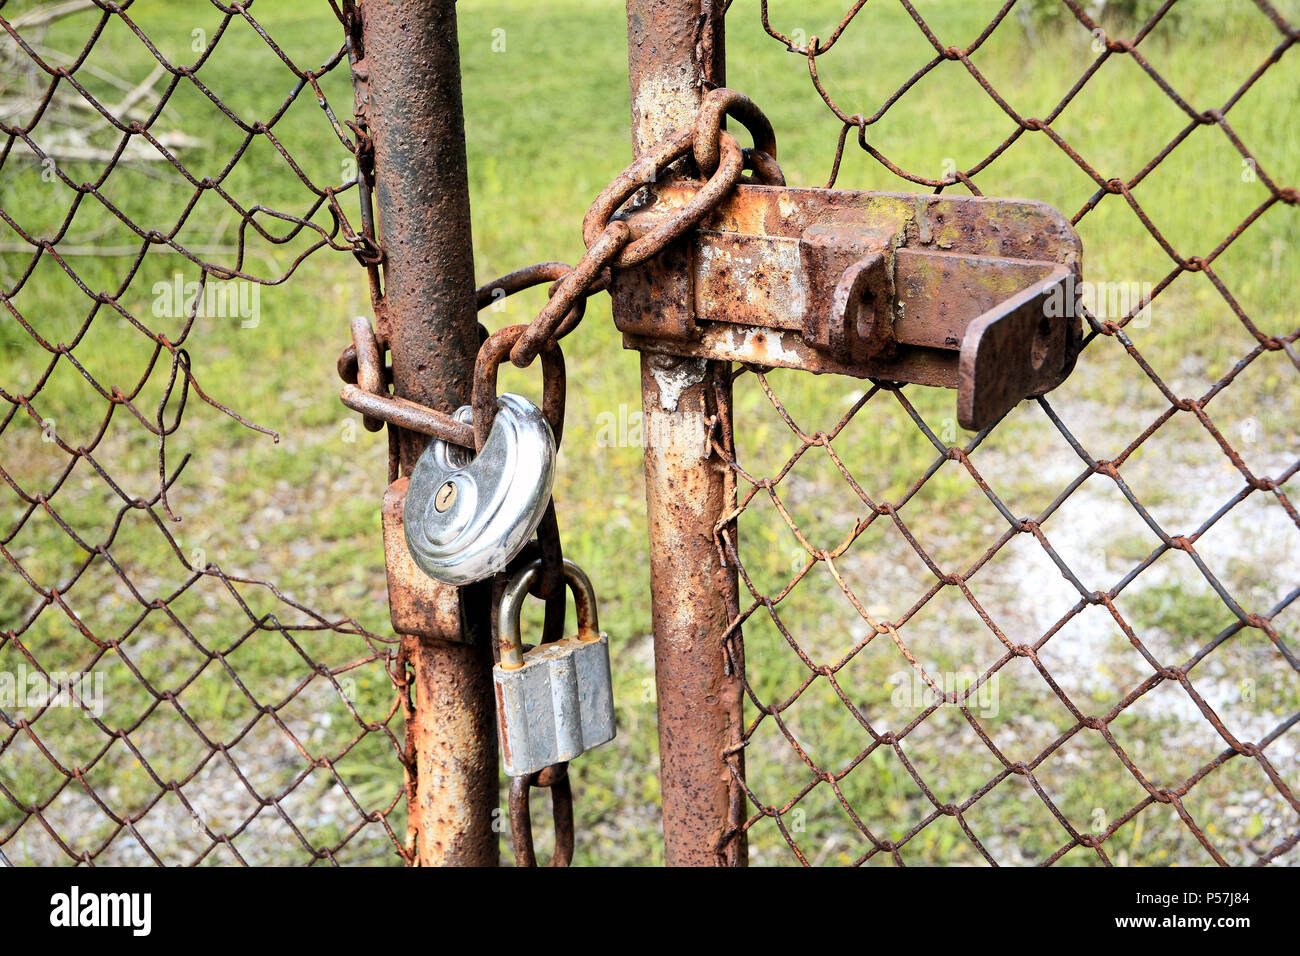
x=674, y=48
x=674, y=52
x=455, y=741
x=409, y=75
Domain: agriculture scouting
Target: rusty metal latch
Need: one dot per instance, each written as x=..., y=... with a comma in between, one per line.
x=968, y=293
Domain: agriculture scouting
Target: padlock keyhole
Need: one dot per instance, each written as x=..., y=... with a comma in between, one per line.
x=449, y=510
x=445, y=498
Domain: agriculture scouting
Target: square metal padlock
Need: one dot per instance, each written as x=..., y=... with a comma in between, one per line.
x=556, y=701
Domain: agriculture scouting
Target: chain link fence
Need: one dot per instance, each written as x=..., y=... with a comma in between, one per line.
x=162, y=177
x=1070, y=637
x=1067, y=638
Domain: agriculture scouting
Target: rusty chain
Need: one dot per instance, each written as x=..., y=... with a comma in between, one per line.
x=610, y=242
x=556, y=779
x=610, y=245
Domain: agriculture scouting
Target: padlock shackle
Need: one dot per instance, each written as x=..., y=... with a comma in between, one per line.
x=509, y=640
x=492, y=354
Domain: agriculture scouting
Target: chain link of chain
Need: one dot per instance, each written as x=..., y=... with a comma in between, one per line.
x=556, y=779
x=611, y=243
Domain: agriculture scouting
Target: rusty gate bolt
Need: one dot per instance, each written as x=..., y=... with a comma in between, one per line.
x=847, y=292
x=969, y=293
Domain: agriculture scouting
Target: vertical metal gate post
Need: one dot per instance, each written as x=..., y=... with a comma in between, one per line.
x=411, y=75
x=674, y=48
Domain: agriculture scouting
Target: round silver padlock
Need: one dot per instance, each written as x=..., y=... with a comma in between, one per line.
x=467, y=515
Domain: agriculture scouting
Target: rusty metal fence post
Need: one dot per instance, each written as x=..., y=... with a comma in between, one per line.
x=409, y=96
x=675, y=51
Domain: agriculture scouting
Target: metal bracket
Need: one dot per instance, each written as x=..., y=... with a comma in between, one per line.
x=969, y=293
x=417, y=604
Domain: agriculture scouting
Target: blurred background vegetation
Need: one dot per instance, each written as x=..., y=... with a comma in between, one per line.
x=547, y=118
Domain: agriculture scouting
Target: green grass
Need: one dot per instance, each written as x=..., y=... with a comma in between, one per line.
x=546, y=128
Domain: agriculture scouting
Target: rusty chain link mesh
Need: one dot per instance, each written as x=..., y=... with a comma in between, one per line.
x=1065, y=638
x=1099, y=587
x=157, y=706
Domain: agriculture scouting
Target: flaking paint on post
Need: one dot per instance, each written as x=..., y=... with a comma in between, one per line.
x=675, y=377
